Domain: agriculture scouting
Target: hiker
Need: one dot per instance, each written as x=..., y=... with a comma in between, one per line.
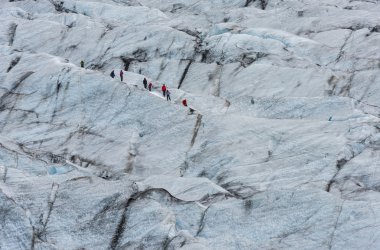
x=184, y=102
x=168, y=95
x=163, y=88
x=150, y=86
x=112, y=73
x=145, y=82
x=121, y=75
x=82, y=64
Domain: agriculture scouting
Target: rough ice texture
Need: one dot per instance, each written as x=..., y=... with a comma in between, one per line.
x=282, y=151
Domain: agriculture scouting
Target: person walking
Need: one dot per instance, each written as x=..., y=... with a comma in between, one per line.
x=82, y=64
x=163, y=88
x=145, y=82
x=184, y=102
x=150, y=86
x=112, y=74
x=121, y=75
x=168, y=95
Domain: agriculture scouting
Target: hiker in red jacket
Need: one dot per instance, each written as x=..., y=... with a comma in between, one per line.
x=163, y=88
x=184, y=102
x=150, y=86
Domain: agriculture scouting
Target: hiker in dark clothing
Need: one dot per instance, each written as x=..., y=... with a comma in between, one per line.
x=163, y=88
x=121, y=75
x=112, y=74
x=82, y=64
x=145, y=82
x=168, y=95
x=150, y=86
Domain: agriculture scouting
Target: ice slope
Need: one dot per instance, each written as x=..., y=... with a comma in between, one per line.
x=282, y=151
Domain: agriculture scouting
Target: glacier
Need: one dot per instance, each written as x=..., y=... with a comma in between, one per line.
x=281, y=152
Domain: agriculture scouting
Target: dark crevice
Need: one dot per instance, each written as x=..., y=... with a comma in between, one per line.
x=345, y=90
x=196, y=129
x=234, y=193
x=53, y=194
x=34, y=234
x=140, y=55
x=195, y=34
x=176, y=7
x=85, y=163
x=375, y=29
x=71, y=25
x=120, y=229
x=25, y=111
x=80, y=133
x=332, y=82
x=341, y=50
x=121, y=226
x=58, y=5
x=185, y=165
x=329, y=184
x=237, y=189
x=339, y=165
x=12, y=33
x=4, y=177
x=263, y=4
x=45, y=157
x=184, y=74
x=34, y=237
x=31, y=154
x=58, y=88
x=14, y=87
x=163, y=66
x=352, y=28
x=205, y=55
x=340, y=208
x=127, y=62
x=202, y=222
x=96, y=66
x=246, y=61
x=168, y=241
x=356, y=27
x=108, y=28
x=45, y=216
x=13, y=63
x=99, y=66
x=248, y=2
x=110, y=203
